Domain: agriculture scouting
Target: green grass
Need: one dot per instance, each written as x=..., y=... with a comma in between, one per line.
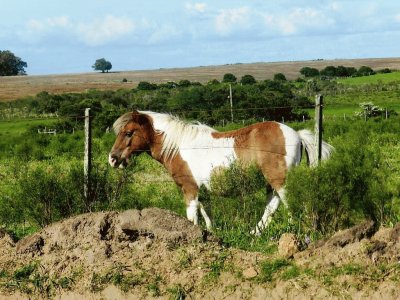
x=270, y=268
x=372, y=79
x=17, y=127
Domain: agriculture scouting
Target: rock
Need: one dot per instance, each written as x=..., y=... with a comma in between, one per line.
x=288, y=245
x=250, y=273
x=31, y=244
x=353, y=234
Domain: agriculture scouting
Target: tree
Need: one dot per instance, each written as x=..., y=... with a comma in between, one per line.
x=365, y=71
x=309, y=72
x=102, y=65
x=329, y=71
x=280, y=77
x=11, y=65
x=248, y=79
x=146, y=86
x=229, y=77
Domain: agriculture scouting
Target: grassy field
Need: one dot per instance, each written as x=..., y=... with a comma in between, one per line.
x=15, y=87
x=373, y=79
x=17, y=127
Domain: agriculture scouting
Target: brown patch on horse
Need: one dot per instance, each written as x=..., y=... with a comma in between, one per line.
x=264, y=145
x=177, y=168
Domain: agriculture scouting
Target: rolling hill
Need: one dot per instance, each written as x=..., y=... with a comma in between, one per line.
x=15, y=87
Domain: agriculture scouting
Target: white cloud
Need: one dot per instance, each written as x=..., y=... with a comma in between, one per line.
x=100, y=32
x=335, y=6
x=229, y=19
x=163, y=33
x=35, y=30
x=397, y=18
x=297, y=20
x=34, y=25
x=196, y=7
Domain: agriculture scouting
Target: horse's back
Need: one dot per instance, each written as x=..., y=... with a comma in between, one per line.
x=273, y=146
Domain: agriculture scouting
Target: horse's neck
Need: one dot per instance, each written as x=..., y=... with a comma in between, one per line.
x=155, y=148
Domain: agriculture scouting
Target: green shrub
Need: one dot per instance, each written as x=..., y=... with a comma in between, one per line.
x=343, y=190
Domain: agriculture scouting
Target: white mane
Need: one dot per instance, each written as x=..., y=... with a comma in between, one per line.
x=178, y=134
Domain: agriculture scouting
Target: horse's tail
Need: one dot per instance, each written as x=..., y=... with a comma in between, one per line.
x=308, y=142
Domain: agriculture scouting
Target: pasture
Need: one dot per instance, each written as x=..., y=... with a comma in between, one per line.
x=16, y=87
x=42, y=175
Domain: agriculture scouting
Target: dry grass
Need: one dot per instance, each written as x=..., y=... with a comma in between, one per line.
x=15, y=87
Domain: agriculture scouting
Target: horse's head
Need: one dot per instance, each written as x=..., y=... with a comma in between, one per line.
x=134, y=135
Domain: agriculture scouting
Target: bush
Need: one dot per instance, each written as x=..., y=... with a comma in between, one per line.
x=348, y=187
x=146, y=86
x=229, y=77
x=280, y=77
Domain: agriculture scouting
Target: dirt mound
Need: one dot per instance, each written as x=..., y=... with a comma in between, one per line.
x=155, y=253
x=107, y=233
x=359, y=244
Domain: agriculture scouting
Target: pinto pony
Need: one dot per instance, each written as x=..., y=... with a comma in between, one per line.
x=190, y=153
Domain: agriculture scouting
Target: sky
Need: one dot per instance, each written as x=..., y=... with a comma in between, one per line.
x=58, y=37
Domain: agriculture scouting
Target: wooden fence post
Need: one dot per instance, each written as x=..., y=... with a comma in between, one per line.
x=231, y=101
x=88, y=156
x=318, y=126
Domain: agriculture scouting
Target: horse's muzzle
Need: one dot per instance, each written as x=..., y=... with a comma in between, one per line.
x=116, y=161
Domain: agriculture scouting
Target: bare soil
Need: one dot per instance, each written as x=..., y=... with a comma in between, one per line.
x=14, y=87
x=155, y=253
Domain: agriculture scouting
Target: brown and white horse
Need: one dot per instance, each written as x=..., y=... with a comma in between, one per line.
x=190, y=153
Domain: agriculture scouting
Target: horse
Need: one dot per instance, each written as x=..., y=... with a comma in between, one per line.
x=191, y=152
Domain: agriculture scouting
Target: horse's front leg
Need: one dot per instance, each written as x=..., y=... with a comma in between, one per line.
x=192, y=207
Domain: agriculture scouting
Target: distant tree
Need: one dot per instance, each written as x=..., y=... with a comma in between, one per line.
x=280, y=77
x=384, y=71
x=146, y=86
x=229, y=77
x=213, y=81
x=102, y=65
x=365, y=71
x=309, y=72
x=108, y=66
x=184, y=83
x=248, y=79
x=342, y=71
x=11, y=65
x=329, y=71
x=351, y=71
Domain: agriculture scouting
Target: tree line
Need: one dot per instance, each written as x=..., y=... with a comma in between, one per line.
x=340, y=71
x=208, y=103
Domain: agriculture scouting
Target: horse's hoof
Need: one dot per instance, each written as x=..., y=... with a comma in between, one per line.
x=255, y=232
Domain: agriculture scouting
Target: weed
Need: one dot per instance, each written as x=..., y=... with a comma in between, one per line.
x=154, y=288
x=291, y=272
x=177, y=292
x=184, y=259
x=269, y=268
x=116, y=276
x=65, y=282
x=216, y=266
x=24, y=272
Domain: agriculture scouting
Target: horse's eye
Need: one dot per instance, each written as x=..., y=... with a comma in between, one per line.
x=129, y=133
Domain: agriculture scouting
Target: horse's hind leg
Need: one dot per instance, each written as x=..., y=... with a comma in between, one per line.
x=273, y=203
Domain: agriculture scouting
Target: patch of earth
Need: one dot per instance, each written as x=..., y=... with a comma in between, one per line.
x=154, y=253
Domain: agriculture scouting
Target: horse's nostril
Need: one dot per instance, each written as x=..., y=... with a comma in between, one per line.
x=113, y=160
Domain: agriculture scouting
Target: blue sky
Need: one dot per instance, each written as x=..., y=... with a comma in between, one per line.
x=56, y=37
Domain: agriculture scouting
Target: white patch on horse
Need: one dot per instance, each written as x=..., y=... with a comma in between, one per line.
x=292, y=146
x=195, y=144
x=191, y=211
